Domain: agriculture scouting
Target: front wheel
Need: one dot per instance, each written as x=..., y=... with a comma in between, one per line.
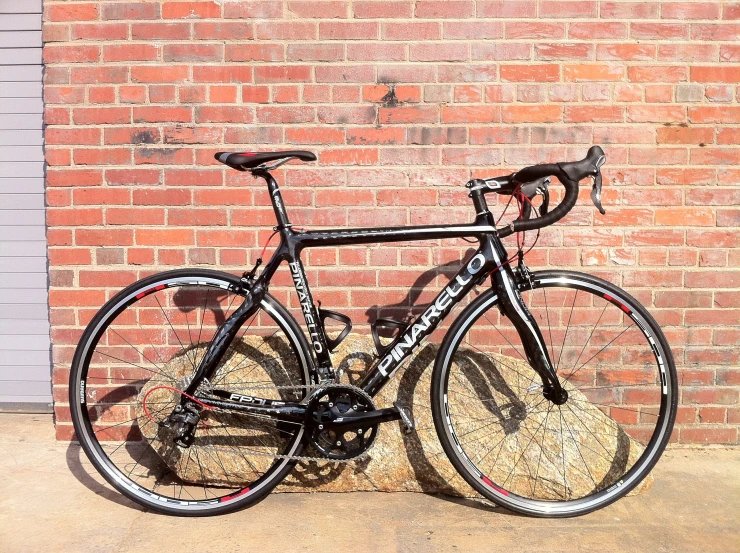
x=528, y=454
x=136, y=355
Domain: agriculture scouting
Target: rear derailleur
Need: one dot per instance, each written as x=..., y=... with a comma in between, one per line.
x=182, y=423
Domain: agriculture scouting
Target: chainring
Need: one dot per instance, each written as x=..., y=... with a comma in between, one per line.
x=334, y=402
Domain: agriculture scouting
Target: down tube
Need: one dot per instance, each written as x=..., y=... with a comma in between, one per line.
x=470, y=275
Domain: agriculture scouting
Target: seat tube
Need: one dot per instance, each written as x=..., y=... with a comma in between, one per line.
x=276, y=198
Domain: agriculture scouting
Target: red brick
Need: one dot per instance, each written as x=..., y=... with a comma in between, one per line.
x=131, y=10
x=222, y=74
x=131, y=135
x=190, y=177
x=282, y=74
x=727, y=32
x=164, y=237
x=593, y=72
x=98, y=75
x=109, y=156
x=709, y=435
x=163, y=156
x=70, y=12
x=108, y=237
x=587, y=114
x=564, y=51
x=409, y=114
x=382, y=10
x=570, y=10
x=687, y=52
x=196, y=217
x=349, y=30
x=410, y=31
x=85, y=136
x=659, y=31
x=629, y=10
x=191, y=10
x=439, y=52
x=269, y=9
x=286, y=30
x=598, y=30
x=471, y=114
x=530, y=73
x=349, y=157
x=156, y=114
x=192, y=135
x=70, y=54
x=715, y=74
x=132, y=176
x=438, y=9
x=690, y=10
x=215, y=30
x=156, y=74
x=193, y=52
x=534, y=30
x=224, y=114
x=531, y=114
x=164, y=31
x=133, y=216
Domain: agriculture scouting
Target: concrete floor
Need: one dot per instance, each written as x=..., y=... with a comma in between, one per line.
x=51, y=500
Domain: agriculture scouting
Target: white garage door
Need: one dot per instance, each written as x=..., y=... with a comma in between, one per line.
x=25, y=366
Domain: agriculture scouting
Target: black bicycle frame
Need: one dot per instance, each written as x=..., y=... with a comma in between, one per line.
x=490, y=256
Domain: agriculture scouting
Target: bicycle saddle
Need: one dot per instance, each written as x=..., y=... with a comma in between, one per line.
x=243, y=161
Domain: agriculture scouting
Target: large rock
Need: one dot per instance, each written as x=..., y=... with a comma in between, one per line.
x=406, y=462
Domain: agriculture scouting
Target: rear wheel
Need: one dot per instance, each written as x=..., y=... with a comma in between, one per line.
x=528, y=454
x=136, y=355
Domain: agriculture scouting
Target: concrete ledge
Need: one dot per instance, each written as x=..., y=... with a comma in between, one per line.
x=51, y=499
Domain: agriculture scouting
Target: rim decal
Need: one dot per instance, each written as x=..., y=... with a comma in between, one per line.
x=494, y=486
x=234, y=495
x=623, y=307
x=150, y=291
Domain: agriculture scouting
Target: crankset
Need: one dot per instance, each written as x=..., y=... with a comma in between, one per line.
x=343, y=422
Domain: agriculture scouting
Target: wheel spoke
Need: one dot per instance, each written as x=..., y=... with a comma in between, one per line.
x=229, y=448
x=542, y=455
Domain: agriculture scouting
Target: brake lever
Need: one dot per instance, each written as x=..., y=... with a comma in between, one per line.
x=596, y=193
x=545, y=202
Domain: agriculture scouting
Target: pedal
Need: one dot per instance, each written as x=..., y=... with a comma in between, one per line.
x=407, y=423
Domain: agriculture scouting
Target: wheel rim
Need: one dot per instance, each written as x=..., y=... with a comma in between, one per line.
x=153, y=337
x=516, y=459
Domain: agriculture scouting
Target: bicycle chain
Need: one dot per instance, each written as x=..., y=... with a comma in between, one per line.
x=312, y=387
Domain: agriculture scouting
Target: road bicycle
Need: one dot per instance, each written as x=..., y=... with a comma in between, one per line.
x=553, y=393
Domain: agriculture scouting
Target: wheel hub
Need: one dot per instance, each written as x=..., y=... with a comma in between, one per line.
x=558, y=397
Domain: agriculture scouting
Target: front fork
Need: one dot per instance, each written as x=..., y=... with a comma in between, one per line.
x=513, y=307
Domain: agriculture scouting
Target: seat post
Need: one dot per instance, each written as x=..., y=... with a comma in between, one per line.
x=276, y=198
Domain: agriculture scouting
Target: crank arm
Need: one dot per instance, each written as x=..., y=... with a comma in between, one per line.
x=363, y=419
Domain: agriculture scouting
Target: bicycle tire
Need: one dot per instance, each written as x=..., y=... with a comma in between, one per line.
x=93, y=414
x=556, y=497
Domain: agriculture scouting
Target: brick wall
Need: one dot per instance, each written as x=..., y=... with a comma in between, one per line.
x=403, y=102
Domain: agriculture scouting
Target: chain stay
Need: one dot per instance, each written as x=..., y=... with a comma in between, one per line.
x=312, y=387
